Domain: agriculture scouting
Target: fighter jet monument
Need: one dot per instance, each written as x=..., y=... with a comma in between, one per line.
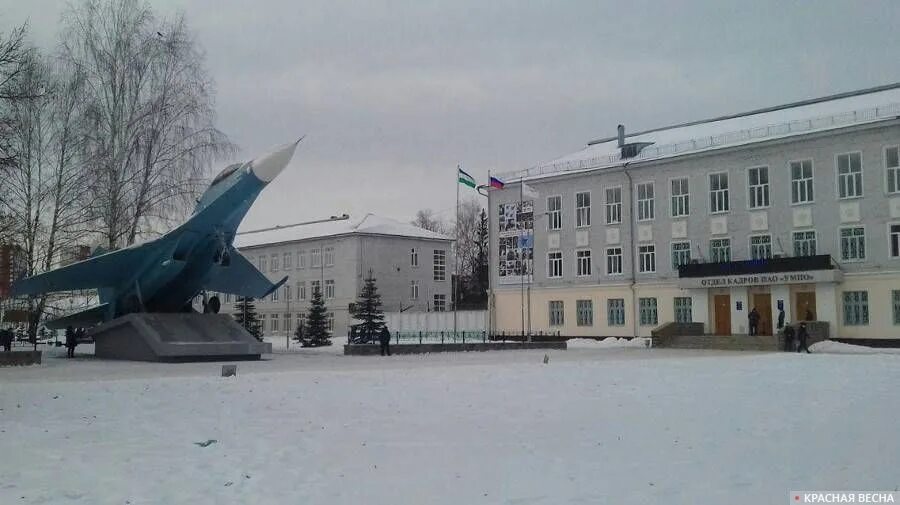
x=146, y=290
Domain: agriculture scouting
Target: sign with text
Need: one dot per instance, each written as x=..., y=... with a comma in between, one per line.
x=768, y=279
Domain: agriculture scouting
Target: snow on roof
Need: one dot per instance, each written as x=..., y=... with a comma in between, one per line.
x=368, y=225
x=808, y=116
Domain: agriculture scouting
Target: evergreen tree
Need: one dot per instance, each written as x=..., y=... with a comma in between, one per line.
x=368, y=309
x=245, y=315
x=316, y=330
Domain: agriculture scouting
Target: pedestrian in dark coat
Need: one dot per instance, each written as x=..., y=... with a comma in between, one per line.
x=803, y=336
x=384, y=338
x=780, y=318
x=71, y=342
x=788, y=338
x=6, y=338
x=754, y=321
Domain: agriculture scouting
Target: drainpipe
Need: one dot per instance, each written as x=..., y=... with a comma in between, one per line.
x=631, y=225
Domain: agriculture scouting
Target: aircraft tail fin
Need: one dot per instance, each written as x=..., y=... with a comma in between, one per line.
x=241, y=278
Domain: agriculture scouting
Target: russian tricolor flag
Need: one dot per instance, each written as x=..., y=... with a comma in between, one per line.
x=496, y=183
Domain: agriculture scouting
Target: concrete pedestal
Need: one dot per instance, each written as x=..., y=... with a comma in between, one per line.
x=176, y=337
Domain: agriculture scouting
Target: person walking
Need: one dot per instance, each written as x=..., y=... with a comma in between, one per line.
x=788, y=333
x=6, y=338
x=780, y=318
x=803, y=336
x=384, y=338
x=70, y=342
x=754, y=322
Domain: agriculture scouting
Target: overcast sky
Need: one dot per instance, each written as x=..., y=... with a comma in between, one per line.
x=392, y=95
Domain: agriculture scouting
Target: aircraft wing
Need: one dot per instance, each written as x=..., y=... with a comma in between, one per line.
x=96, y=272
x=240, y=278
x=87, y=317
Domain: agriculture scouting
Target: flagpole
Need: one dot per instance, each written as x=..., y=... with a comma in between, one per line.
x=456, y=256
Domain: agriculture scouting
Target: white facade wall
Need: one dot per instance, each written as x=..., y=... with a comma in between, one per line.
x=826, y=215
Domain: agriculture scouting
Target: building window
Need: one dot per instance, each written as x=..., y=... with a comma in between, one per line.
x=647, y=258
x=440, y=264
x=856, y=308
x=720, y=250
x=614, y=261
x=615, y=312
x=554, y=264
x=894, y=239
x=273, y=325
x=315, y=287
x=583, y=263
x=804, y=243
x=301, y=258
x=801, y=181
x=892, y=168
x=301, y=320
x=554, y=212
x=287, y=261
x=760, y=247
x=718, y=193
x=440, y=303
x=413, y=290
x=895, y=295
x=274, y=296
x=613, y=205
x=263, y=264
x=681, y=254
x=274, y=263
x=645, y=201
x=647, y=311
x=849, y=167
x=583, y=209
x=414, y=257
x=315, y=260
x=329, y=323
x=683, y=309
x=329, y=256
x=758, y=182
x=556, y=313
x=680, y=197
x=329, y=288
x=301, y=291
x=288, y=293
x=584, y=312
x=853, y=244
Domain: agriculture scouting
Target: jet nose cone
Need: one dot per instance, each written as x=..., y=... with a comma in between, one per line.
x=267, y=167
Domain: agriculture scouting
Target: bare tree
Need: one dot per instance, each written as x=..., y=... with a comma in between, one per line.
x=427, y=219
x=469, y=248
x=13, y=62
x=46, y=186
x=151, y=136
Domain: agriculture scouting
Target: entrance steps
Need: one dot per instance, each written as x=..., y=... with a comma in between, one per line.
x=691, y=336
x=720, y=342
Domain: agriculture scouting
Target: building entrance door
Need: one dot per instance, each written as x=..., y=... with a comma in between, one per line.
x=806, y=301
x=762, y=302
x=722, y=314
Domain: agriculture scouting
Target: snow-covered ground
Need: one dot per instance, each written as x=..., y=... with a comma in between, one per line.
x=597, y=424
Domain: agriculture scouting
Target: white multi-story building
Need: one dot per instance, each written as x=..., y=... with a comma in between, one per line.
x=411, y=266
x=794, y=207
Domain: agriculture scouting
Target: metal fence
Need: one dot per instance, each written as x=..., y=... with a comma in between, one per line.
x=450, y=337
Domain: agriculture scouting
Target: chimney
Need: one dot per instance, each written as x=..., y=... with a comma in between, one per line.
x=621, y=135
